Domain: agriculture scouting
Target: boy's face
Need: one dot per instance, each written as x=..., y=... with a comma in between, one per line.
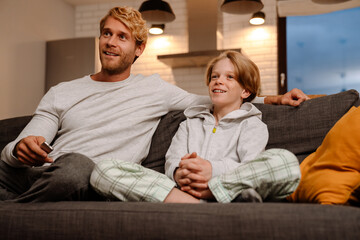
x=224, y=89
x=117, y=47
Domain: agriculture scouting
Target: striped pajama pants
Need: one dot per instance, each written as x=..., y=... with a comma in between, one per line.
x=274, y=174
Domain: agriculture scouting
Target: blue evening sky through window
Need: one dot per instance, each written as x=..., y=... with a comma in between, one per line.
x=323, y=52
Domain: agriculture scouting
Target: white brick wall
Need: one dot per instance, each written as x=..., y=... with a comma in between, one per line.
x=258, y=42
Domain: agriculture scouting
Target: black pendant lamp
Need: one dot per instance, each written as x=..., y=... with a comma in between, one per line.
x=241, y=6
x=156, y=11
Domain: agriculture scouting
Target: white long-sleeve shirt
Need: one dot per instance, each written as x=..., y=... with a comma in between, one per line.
x=239, y=137
x=104, y=120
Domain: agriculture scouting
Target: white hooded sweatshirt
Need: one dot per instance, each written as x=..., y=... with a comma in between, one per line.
x=239, y=137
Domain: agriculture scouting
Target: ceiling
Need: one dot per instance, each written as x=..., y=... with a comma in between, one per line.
x=285, y=7
x=85, y=2
x=307, y=7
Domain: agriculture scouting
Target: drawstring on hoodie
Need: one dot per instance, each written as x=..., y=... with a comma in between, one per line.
x=214, y=129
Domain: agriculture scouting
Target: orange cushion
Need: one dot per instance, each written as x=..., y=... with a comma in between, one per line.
x=332, y=173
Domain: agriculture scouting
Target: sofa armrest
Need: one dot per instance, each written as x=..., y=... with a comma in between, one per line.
x=10, y=128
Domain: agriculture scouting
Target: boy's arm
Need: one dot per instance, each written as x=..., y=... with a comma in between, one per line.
x=177, y=149
x=253, y=139
x=251, y=142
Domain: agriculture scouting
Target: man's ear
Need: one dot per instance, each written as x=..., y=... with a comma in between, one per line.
x=245, y=93
x=140, y=49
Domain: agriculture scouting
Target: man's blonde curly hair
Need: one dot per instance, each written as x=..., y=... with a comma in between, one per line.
x=132, y=19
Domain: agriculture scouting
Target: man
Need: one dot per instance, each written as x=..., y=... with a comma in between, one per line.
x=111, y=114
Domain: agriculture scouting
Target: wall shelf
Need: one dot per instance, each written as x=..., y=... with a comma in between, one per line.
x=191, y=59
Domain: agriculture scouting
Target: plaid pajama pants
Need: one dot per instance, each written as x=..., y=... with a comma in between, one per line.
x=274, y=174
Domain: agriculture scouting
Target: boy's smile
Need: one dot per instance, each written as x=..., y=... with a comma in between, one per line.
x=224, y=89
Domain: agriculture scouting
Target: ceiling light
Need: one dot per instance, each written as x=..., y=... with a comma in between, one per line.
x=241, y=6
x=257, y=18
x=156, y=11
x=157, y=29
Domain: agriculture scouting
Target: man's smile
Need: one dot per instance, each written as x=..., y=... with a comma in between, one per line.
x=110, y=53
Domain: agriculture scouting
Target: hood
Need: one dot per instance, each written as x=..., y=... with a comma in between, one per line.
x=202, y=28
x=203, y=111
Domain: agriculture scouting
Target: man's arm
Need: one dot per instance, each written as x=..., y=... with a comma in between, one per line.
x=44, y=126
x=293, y=98
x=180, y=99
x=25, y=149
x=29, y=152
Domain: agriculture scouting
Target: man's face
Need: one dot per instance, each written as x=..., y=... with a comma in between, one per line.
x=117, y=47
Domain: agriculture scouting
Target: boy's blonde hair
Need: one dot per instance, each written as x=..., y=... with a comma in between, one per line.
x=132, y=19
x=246, y=72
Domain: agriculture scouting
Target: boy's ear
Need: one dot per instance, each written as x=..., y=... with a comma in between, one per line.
x=245, y=93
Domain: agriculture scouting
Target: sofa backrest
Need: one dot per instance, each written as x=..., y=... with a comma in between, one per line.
x=298, y=129
x=357, y=103
x=302, y=129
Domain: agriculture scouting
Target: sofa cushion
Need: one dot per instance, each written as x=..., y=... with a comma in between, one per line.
x=332, y=173
x=302, y=129
x=161, y=140
x=145, y=221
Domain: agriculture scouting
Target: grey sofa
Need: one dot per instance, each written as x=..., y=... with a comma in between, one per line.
x=298, y=129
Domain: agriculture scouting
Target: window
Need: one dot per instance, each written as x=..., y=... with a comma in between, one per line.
x=322, y=52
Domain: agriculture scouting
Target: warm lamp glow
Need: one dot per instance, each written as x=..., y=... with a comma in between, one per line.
x=157, y=29
x=257, y=21
x=258, y=34
x=258, y=18
x=160, y=43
